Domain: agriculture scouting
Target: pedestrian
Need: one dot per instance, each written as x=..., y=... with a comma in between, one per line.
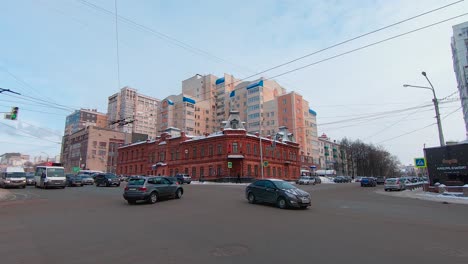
x=238, y=178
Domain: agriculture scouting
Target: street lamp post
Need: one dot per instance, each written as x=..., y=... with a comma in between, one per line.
x=436, y=106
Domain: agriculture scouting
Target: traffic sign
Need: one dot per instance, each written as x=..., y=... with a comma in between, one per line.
x=229, y=165
x=76, y=169
x=265, y=163
x=420, y=163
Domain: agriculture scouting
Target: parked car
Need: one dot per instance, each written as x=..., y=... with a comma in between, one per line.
x=86, y=179
x=306, y=180
x=368, y=182
x=278, y=192
x=73, y=180
x=340, y=179
x=151, y=189
x=106, y=179
x=380, y=180
x=183, y=178
x=30, y=178
x=348, y=178
x=358, y=179
x=394, y=184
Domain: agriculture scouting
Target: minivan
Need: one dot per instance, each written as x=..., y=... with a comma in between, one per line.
x=13, y=177
x=50, y=177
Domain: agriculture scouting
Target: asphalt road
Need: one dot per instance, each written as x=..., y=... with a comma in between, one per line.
x=215, y=224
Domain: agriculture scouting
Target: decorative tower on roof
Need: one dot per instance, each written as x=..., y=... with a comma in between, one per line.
x=234, y=121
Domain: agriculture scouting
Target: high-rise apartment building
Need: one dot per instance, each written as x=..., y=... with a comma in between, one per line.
x=293, y=111
x=460, y=65
x=83, y=118
x=131, y=112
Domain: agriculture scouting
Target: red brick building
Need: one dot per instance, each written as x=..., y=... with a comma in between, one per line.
x=217, y=156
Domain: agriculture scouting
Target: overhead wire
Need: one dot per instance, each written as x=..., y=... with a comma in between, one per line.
x=345, y=53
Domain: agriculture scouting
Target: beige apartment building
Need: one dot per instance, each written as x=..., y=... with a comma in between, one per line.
x=83, y=118
x=131, y=112
x=92, y=148
x=331, y=156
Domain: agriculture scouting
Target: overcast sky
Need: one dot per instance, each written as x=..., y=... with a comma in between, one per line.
x=64, y=51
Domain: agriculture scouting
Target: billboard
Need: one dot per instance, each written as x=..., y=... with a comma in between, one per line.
x=448, y=165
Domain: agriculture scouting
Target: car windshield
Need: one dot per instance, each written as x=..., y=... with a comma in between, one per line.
x=284, y=185
x=305, y=177
x=111, y=176
x=16, y=174
x=55, y=172
x=136, y=181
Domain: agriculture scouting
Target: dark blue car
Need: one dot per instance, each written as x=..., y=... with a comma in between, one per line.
x=368, y=182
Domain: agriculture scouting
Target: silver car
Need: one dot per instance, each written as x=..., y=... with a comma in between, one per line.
x=306, y=180
x=151, y=189
x=86, y=179
x=394, y=184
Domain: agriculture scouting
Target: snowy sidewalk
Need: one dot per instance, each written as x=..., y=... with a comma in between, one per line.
x=218, y=183
x=422, y=195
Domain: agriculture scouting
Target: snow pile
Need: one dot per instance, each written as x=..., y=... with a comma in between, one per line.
x=219, y=183
x=429, y=196
x=326, y=180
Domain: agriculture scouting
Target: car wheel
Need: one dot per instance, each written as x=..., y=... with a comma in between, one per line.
x=178, y=194
x=251, y=198
x=153, y=198
x=118, y=185
x=188, y=182
x=281, y=203
x=131, y=201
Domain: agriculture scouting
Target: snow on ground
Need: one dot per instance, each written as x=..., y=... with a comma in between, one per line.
x=326, y=180
x=218, y=183
x=422, y=195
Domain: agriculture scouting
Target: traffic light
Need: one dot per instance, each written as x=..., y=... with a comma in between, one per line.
x=14, y=113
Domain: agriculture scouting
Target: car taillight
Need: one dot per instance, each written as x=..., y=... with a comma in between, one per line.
x=143, y=189
x=126, y=188
x=177, y=183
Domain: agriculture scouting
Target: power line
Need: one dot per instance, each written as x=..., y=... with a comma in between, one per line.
x=117, y=44
x=352, y=39
x=161, y=35
x=346, y=53
x=368, y=46
x=31, y=110
x=416, y=130
x=23, y=131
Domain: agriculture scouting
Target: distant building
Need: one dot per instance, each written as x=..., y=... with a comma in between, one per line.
x=460, y=65
x=83, y=118
x=13, y=159
x=92, y=148
x=332, y=157
x=131, y=112
x=217, y=156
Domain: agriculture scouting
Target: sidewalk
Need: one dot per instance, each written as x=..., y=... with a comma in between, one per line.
x=428, y=196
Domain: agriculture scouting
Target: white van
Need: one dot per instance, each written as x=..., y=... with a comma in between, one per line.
x=13, y=177
x=50, y=176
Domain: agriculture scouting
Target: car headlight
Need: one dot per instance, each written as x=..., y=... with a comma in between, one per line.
x=7, y=181
x=109, y=179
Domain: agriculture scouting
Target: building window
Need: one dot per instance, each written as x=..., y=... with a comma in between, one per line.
x=172, y=155
x=274, y=172
x=249, y=170
x=256, y=170
x=177, y=155
x=171, y=172
x=219, y=170
x=279, y=172
x=210, y=150
x=194, y=172
x=234, y=147
x=255, y=149
x=162, y=156
x=220, y=149
x=194, y=152
x=248, y=148
x=284, y=101
x=202, y=152
x=202, y=172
